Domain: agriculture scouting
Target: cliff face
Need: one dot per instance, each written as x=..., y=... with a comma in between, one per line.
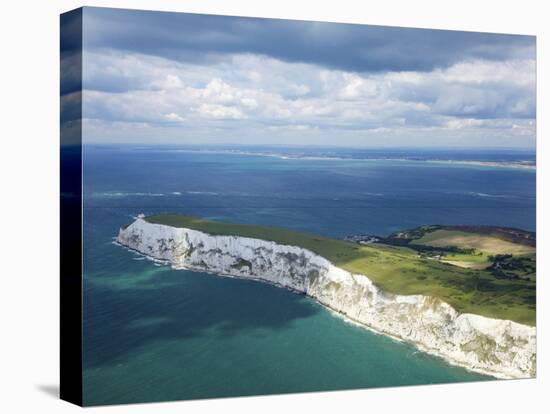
x=498, y=347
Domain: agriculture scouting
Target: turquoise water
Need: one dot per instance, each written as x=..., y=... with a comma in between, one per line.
x=152, y=333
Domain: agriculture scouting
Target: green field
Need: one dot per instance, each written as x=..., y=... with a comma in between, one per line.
x=467, y=240
x=400, y=265
x=507, y=253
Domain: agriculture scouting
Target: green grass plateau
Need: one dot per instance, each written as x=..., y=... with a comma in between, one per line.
x=399, y=268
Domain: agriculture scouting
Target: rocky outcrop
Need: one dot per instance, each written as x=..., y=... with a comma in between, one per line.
x=500, y=348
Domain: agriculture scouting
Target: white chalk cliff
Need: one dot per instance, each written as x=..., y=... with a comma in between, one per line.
x=501, y=348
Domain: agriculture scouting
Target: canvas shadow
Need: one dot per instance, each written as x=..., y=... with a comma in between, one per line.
x=51, y=390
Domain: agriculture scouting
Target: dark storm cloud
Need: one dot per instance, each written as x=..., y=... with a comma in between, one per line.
x=71, y=76
x=71, y=52
x=359, y=48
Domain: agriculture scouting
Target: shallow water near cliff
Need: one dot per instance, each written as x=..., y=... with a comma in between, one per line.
x=152, y=333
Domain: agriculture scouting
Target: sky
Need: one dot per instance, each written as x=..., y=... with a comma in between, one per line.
x=175, y=78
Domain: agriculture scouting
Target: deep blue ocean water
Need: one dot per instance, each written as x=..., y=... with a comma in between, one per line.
x=152, y=333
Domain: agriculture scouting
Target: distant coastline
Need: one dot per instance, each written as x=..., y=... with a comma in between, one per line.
x=528, y=165
x=283, y=155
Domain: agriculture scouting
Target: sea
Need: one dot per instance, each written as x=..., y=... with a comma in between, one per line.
x=151, y=333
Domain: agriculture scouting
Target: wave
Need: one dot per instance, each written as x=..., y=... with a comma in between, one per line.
x=124, y=194
x=145, y=194
x=202, y=192
x=489, y=195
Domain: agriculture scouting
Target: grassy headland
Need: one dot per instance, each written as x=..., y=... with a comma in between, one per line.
x=430, y=260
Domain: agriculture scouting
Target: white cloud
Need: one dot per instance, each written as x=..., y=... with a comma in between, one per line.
x=464, y=123
x=263, y=96
x=519, y=72
x=220, y=111
x=172, y=116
